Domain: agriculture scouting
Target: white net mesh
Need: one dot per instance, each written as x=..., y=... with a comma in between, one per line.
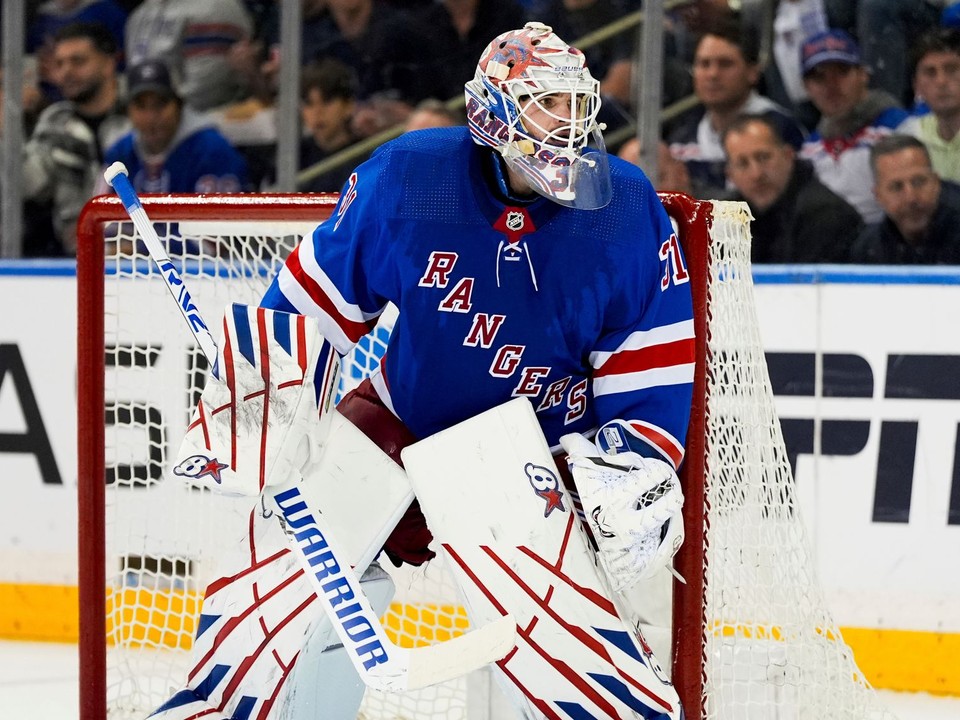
x=771, y=649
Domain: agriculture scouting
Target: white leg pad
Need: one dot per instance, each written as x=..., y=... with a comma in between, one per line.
x=252, y=640
x=252, y=625
x=516, y=546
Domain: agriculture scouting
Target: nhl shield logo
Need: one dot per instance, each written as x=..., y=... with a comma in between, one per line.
x=515, y=221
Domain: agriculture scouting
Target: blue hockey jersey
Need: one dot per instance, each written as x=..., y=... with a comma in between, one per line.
x=586, y=312
x=199, y=160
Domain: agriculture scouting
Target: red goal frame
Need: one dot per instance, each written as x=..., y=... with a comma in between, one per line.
x=694, y=218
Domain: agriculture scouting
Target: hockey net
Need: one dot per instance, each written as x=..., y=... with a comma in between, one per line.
x=752, y=637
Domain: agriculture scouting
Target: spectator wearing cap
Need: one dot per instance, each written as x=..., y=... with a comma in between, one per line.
x=936, y=79
x=921, y=221
x=793, y=22
x=171, y=149
x=852, y=118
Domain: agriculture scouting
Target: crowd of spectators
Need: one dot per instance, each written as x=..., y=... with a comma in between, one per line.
x=872, y=86
x=836, y=121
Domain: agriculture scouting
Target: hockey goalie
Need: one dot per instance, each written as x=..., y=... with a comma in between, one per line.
x=536, y=388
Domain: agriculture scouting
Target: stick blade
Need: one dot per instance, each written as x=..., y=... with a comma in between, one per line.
x=463, y=654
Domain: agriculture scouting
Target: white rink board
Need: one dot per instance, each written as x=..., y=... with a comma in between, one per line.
x=902, y=575
x=876, y=574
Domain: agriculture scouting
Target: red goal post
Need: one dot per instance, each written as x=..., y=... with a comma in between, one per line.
x=751, y=636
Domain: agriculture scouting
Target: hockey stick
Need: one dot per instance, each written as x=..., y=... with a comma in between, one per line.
x=380, y=664
x=116, y=177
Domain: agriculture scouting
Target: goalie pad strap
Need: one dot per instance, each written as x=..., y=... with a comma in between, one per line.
x=409, y=541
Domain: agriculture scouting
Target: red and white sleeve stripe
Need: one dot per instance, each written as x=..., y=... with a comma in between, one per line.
x=660, y=440
x=308, y=288
x=646, y=359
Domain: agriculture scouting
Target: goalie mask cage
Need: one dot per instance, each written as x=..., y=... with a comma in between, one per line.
x=752, y=638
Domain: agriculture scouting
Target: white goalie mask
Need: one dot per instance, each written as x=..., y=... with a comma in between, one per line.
x=535, y=102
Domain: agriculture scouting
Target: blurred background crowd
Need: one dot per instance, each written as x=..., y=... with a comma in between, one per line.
x=836, y=120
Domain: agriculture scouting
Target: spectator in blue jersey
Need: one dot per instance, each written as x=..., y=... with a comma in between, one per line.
x=56, y=14
x=170, y=148
x=921, y=213
x=852, y=118
x=796, y=219
x=725, y=74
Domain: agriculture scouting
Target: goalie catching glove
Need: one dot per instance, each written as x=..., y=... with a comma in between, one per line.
x=264, y=420
x=633, y=506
